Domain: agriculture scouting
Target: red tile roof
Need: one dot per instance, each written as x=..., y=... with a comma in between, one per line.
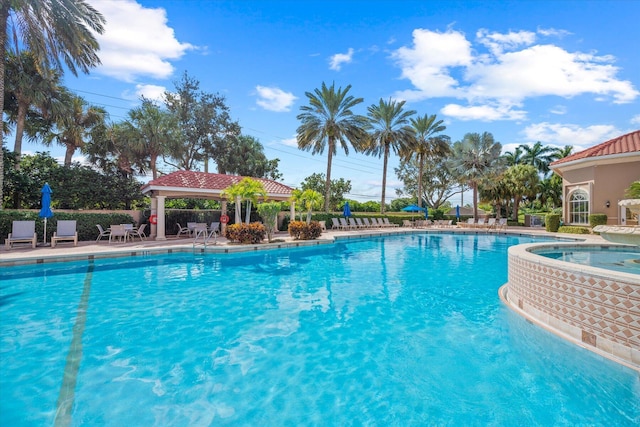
x=211, y=181
x=628, y=143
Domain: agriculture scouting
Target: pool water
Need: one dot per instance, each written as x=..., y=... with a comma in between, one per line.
x=623, y=258
x=395, y=331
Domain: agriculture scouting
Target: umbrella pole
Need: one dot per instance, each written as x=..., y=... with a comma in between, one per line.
x=45, y=231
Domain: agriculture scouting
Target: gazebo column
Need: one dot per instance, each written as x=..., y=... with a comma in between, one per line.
x=161, y=218
x=223, y=211
x=153, y=228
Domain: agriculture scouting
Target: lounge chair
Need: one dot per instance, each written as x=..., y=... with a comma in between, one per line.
x=335, y=224
x=138, y=233
x=406, y=223
x=22, y=232
x=344, y=225
x=366, y=223
x=470, y=222
x=480, y=223
x=387, y=223
x=182, y=230
x=360, y=223
x=66, y=230
x=353, y=224
x=119, y=231
x=491, y=224
x=502, y=224
x=102, y=232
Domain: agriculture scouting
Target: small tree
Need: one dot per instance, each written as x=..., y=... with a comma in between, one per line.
x=269, y=213
x=248, y=189
x=310, y=200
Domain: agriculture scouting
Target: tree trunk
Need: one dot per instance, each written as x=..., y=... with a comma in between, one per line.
x=22, y=115
x=68, y=155
x=153, y=165
x=327, y=184
x=4, y=16
x=384, y=176
x=421, y=171
x=475, y=200
x=247, y=216
x=516, y=204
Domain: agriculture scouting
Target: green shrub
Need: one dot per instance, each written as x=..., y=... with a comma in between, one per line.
x=572, y=229
x=300, y=230
x=597, y=219
x=552, y=222
x=246, y=233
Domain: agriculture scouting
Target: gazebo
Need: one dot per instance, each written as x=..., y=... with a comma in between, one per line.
x=201, y=185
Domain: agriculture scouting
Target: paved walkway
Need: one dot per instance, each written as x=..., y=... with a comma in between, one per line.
x=24, y=254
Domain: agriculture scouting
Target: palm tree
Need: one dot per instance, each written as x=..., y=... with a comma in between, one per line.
x=514, y=157
x=390, y=131
x=426, y=145
x=248, y=189
x=327, y=121
x=79, y=124
x=154, y=130
x=475, y=157
x=55, y=31
x=310, y=200
x=31, y=90
x=538, y=156
x=561, y=153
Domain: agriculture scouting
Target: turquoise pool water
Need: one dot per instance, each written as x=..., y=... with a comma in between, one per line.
x=399, y=331
x=624, y=259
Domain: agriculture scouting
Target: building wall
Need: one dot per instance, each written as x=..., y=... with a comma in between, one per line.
x=603, y=182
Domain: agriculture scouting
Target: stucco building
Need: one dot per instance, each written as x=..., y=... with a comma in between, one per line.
x=595, y=179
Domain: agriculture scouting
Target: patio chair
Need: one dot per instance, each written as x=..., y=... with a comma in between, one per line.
x=66, y=230
x=502, y=224
x=353, y=224
x=480, y=223
x=366, y=222
x=360, y=223
x=406, y=223
x=138, y=233
x=182, y=230
x=335, y=225
x=119, y=231
x=102, y=232
x=344, y=225
x=387, y=223
x=215, y=227
x=491, y=224
x=22, y=232
x=201, y=231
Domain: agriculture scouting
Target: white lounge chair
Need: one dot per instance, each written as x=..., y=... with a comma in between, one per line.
x=22, y=232
x=66, y=230
x=366, y=222
x=138, y=233
x=335, y=224
x=491, y=224
x=102, y=232
x=502, y=224
x=182, y=230
x=353, y=224
x=387, y=223
x=344, y=224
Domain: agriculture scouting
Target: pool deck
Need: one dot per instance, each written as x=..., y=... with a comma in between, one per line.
x=24, y=254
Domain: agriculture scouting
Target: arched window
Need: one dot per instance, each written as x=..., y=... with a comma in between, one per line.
x=579, y=207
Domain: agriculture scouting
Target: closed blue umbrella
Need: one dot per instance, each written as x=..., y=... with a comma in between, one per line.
x=45, y=210
x=457, y=212
x=347, y=210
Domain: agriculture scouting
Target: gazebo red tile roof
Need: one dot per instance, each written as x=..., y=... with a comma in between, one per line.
x=207, y=184
x=628, y=143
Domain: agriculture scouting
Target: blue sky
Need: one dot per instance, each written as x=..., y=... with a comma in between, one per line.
x=559, y=72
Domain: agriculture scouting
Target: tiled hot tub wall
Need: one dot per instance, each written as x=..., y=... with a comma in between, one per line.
x=596, y=308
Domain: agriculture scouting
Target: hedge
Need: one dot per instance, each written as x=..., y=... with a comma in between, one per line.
x=597, y=219
x=572, y=229
x=552, y=222
x=85, y=222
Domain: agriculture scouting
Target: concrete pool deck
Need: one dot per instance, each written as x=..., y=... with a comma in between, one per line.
x=24, y=254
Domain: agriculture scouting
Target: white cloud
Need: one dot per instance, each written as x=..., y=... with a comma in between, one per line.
x=137, y=41
x=553, y=32
x=153, y=92
x=635, y=120
x=428, y=63
x=485, y=112
x=570, y=134
x=336, y=61
x=497, y=42
x=290, y=142
x=274, y=99
x=558, y=109
x=514, y=69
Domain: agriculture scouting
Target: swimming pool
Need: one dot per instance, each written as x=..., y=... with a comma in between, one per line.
x=625, y=259
x=403, y=330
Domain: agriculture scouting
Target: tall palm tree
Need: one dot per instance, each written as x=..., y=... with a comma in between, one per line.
x=32, y=90
x=475, y=157
x=538, y=156
x=327, y=121
x=561, y=153
x=426, y=144
x=55, y=31
x=154, y=129
x=390, y=131
x=80, y=123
